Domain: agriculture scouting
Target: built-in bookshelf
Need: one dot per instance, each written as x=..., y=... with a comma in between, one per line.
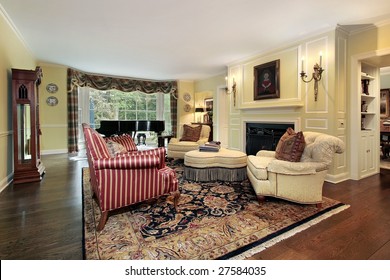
x=368, y=103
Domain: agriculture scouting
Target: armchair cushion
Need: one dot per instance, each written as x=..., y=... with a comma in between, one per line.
x=125, y=140
x=115, y=148
x=191, y=133
x=290, y=146
x=98, y=147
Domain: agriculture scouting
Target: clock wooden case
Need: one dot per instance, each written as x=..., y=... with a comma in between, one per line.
x=28, y=166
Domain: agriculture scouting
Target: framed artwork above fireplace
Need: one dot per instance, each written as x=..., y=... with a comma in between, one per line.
x=266, y=80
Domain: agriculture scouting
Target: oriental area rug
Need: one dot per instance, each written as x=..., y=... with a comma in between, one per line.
x=216, y=220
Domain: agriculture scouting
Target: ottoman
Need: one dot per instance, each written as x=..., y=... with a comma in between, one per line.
x=224, y=165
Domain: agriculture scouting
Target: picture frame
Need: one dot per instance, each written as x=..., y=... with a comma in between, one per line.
x=208, y=104
x=384, y=103
x=266, y=80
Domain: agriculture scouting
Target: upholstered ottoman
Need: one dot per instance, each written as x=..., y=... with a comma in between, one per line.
x=224, y=165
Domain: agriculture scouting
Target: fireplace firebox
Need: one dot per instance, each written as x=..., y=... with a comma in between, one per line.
x=264, y=136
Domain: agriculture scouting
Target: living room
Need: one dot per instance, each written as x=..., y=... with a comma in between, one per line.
x=342, y=49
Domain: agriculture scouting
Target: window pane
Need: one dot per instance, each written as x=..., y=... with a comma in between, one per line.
x=114, y=104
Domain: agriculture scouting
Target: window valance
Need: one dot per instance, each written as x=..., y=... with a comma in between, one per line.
x=82, y=79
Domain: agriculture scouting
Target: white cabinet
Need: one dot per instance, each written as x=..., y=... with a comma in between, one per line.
x=368, y=142
x=368, y=154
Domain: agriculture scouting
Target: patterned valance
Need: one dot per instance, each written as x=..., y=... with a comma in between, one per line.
x=82, y=79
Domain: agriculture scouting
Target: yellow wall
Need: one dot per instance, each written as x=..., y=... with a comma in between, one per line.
x=207, y=88
x=373, y=39
x=184, y=117
x=53, y=118
x=13, y=54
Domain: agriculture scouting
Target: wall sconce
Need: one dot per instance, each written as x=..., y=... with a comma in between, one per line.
x=233, y=87
x=317, y=75
x=234, y=90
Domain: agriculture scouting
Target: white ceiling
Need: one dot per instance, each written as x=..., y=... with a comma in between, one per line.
x=174, y=39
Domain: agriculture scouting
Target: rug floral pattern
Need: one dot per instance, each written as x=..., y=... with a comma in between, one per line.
x=215, y=220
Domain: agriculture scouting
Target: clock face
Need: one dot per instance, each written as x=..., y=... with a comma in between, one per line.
x=187, y=97
x=187, y=108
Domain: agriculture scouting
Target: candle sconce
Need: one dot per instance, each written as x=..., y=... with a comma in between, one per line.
x=232, y=91
x=316, y=76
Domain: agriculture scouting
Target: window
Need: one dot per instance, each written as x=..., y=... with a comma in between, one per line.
x=96, y=105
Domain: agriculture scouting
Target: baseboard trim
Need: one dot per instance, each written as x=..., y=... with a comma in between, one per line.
x=54, y=152
x=335, y=179
x=5, y=182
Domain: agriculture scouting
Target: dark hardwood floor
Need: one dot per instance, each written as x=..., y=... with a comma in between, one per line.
x=44, y=220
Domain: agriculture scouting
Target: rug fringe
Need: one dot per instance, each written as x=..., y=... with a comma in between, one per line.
x=288, y=234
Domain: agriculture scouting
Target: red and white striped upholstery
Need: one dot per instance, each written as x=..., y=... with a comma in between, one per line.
x=127, y=178
x=125, y=140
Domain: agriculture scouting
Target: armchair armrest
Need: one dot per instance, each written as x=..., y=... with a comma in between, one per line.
x=295, y=168
x=160, y=152
x=128, y=162
x=202, y=141
x=174, y=140
x=265, y=153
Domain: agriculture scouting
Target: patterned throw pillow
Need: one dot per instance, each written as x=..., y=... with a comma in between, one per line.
x=191, y=133
x=115, y=148
x=290, y=146
x=125, y=140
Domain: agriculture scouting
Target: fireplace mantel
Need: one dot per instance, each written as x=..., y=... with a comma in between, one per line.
x=271, y=107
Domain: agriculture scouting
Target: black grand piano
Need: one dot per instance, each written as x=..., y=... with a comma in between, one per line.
x=118, y=127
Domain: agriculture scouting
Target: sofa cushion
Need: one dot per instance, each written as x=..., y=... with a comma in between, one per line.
x=290, y=146
x=115, y=148
x=98, y=147
x=125, y=140
x=191, y=133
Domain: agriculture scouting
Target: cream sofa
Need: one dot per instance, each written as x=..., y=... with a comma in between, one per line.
x=177, y=148
x=299, y=182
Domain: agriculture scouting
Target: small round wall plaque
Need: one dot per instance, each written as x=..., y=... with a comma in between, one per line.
x=187, y=97
x=52, y=88
x=52, y=101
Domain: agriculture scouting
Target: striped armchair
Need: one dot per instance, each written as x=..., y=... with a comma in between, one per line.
x=126, y=178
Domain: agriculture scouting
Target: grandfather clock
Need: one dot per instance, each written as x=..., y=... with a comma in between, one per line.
x=25, y=110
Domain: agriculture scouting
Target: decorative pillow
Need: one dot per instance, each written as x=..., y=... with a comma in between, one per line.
x=125, y=140
x=98, y=147
x=290, y=146
x=191, y=133
x=115, y=148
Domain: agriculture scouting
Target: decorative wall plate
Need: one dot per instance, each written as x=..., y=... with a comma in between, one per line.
x=52, y=88
x=187, y=108
x=52, y=101
x=187, y=97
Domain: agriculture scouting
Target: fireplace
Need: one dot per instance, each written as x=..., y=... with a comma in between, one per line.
x=264, y=136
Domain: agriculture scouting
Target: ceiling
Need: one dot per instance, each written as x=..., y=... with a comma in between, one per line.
x=174, y=39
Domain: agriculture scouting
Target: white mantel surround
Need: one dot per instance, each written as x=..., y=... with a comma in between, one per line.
x=295, y=121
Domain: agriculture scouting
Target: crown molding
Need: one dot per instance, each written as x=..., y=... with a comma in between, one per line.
x=13, y=27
